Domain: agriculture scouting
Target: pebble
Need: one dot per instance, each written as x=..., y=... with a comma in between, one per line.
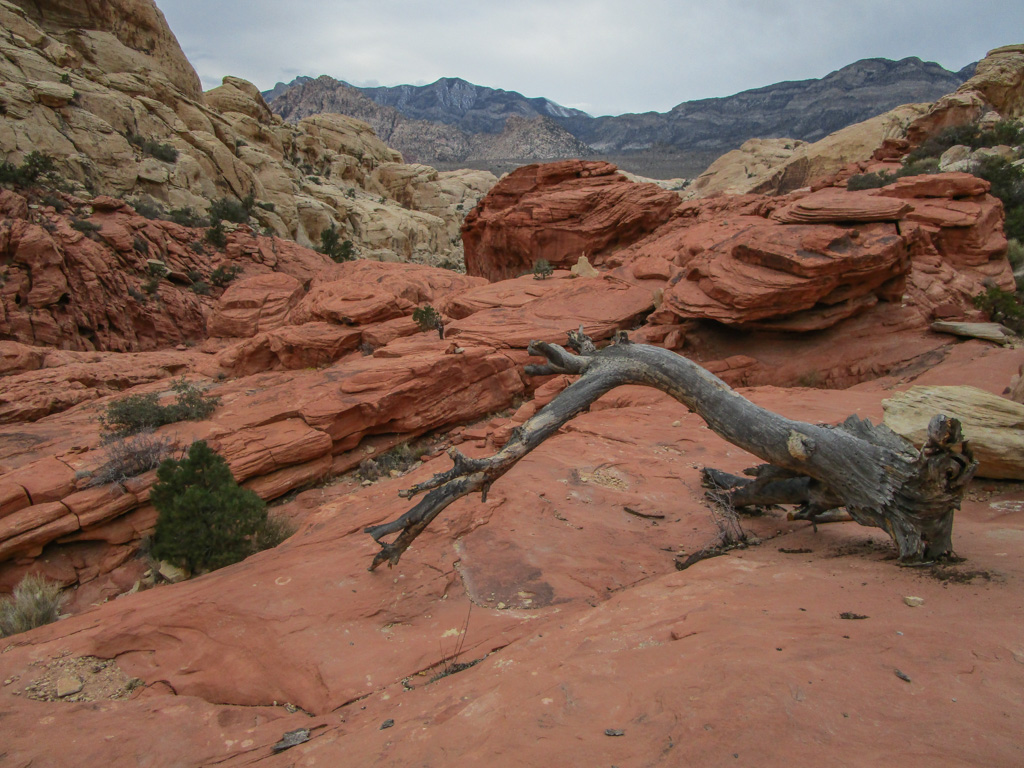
x=913, y=602
x=68, y=685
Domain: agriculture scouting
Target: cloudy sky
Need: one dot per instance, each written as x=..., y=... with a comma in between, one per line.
x=601, y=56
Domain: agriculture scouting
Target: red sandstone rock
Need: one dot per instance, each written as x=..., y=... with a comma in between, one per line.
x=763, y=272
x=601, y=306
x=255, y=304
x=67, y=289
x=563, y=582
x=832, y=205
x=559, y=212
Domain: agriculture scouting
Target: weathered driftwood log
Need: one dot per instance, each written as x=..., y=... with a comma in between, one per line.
x=881, y=479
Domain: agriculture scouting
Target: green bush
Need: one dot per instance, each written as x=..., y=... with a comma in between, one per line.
x=1002, y=307
x=136, y=413
x=224, y=274
x=216, y=236
x=226, y=209
x=187, y=217
x=35, y=601
x=332, y=245
x=37, y=166
x=201, y=288
x=160, y=151
x=542, y=270
x=84, y=226
x=206, y=521
x=426, y=317
x=1007, y=182
x=148, y=207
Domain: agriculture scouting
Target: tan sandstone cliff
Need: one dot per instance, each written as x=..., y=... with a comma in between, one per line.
x=77, y=80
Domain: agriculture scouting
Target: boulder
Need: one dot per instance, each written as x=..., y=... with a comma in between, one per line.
x=994, y=425
x=255, y=304
x=997, y=84
x=559, y=211
x=790, y=277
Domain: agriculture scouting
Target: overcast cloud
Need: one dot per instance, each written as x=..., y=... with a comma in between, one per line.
x=601, y=56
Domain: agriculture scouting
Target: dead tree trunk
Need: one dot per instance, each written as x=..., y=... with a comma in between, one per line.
x=881, y=479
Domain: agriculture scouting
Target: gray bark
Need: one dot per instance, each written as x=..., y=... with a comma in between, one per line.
x=880, y=478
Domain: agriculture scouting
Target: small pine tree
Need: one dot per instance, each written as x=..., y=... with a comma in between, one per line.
x=332, y=245
x=206, y=519
x=542, y=270
x=428, y=319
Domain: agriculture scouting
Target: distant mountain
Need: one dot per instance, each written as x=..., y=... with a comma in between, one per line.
x=800, y=109
x=452, y=121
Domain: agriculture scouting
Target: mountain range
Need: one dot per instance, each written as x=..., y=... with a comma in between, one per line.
x=452, y=121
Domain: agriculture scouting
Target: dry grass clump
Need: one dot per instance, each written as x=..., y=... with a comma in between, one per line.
x=36, y=601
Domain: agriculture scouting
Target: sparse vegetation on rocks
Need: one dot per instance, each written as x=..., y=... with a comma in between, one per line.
x=136, y=413
x=36, y=601
x=427, y=318
x=224, y=274
x=155, y=149
x=216, y=236
x=38, y=167
x=332, y=245
x=131, y=456
x=206, y=520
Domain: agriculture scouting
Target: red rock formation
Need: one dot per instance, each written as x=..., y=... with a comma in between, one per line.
x=85, y=288
x=559, y=212
x=557, y=577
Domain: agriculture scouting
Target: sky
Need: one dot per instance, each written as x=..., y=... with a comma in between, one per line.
x=605, y=57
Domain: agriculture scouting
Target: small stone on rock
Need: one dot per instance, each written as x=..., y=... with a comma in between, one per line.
x=68, y=685
x=913, y=602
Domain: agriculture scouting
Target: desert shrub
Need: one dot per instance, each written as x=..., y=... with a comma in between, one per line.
x=882, y=178
x=226, y=209
x=398, y=459
x=84, y=226
x=131, y=456
x=37, y=166
x=206, y=520
x=1015, y=253
x=1007, y=182
x=151, y=285
x=1002, y=307
x=156, y=149
x=266, y=206
x=141, y=245
x=65, y=78
x=935, y=145
x=187, y=217
x=332, y=245
x=216, y=236
x=426, y=317
x=224, y=274
x=201, y=288
x=274, y=531
x=35, y=601
x=919, y=167
x=157, y=269
x=542, y=270
x=869, y=180
x=148, y=207
x=58, y=205
x=136, y=413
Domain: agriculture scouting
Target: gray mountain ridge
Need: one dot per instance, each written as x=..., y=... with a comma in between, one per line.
x=452, y=121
